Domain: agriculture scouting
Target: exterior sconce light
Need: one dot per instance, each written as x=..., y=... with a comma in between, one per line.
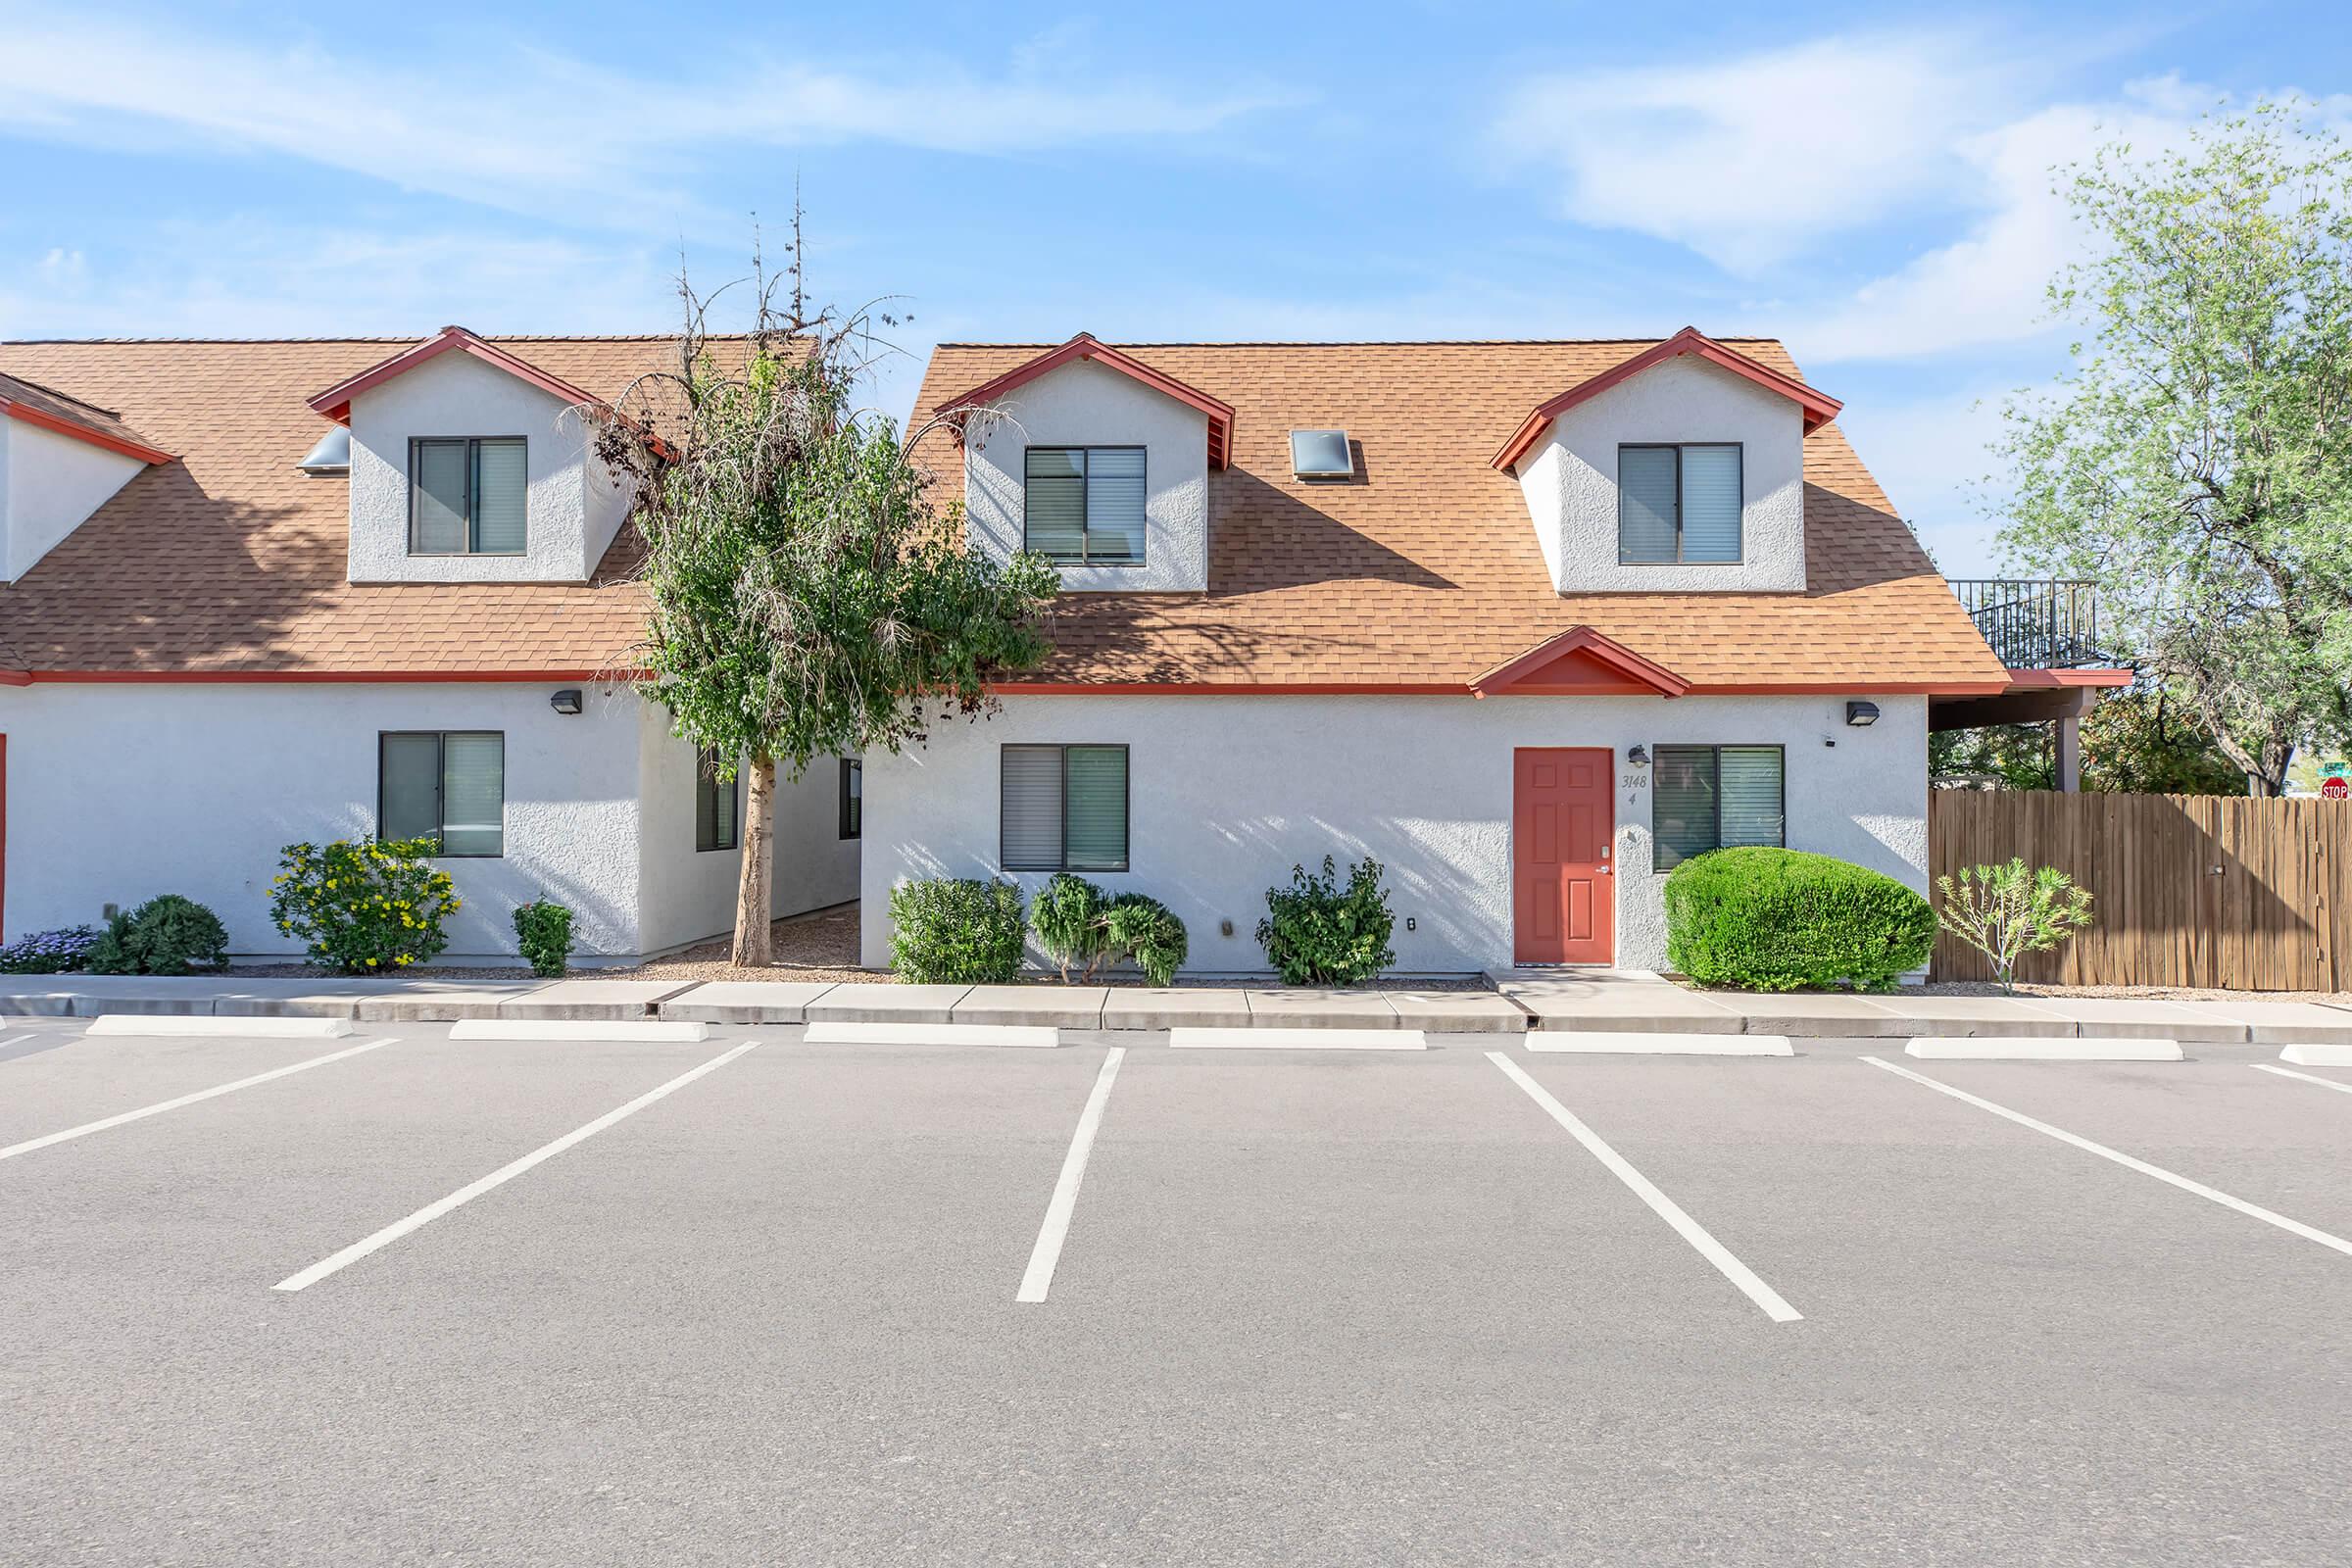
x=566, y=701
x=1639, y=756
x=1861, y=715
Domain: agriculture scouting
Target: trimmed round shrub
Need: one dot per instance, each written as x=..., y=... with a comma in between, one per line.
x=1067, y=916
x=365, y=906
x=166, y=935
x=49, y=951
x=1138, y=926
x=1318, y=933
x=543, y=933
x=955, y=931
x=1766, y=919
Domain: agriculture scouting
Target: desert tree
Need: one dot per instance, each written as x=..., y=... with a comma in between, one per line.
x=806, y=597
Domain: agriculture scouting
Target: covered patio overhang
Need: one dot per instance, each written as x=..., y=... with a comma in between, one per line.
x=2059, y=696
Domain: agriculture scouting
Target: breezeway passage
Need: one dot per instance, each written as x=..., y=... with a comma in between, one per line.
x=1312, y=1307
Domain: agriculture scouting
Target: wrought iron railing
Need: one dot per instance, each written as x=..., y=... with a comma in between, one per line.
x=2034, y=623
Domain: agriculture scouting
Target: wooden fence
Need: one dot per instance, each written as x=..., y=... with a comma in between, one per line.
x=2188, y=890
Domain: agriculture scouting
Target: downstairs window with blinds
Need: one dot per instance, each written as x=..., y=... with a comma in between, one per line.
x=466, y=497
x=1064, y=808
x=449, y=786
x=1677, y=505
x=1084, y=505
x=1715, y=798
x=718, y=806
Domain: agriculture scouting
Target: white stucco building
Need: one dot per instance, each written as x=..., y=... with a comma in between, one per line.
x=258, y=593
x=1555, y=616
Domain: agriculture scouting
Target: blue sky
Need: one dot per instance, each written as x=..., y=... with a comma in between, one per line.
x=1869, y=183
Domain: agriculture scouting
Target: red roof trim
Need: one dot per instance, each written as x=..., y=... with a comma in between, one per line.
x=1581, y=642
x=336, y=402
x=81, y=432
x=1819, y=407
x=1086, y=346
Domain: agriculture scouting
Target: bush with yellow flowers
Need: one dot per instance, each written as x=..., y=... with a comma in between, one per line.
x=366, y=905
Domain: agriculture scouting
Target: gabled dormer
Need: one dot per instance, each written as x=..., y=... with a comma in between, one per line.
x=467, y=464
x=1680, y=471
x=60, y=459
x=1097, y=461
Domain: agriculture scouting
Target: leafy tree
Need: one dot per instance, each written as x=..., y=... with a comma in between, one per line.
x=2196, y=461
x=2138, y=741
x=807, y=599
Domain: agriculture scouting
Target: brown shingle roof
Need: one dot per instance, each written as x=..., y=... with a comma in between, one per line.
x=1423, y=571
x=70, y=415
x=232, y=559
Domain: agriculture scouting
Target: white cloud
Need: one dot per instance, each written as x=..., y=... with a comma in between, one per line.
x=542, y=132
x=1755, y=159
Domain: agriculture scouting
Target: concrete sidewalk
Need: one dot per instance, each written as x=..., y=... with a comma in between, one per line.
x=1600, y=999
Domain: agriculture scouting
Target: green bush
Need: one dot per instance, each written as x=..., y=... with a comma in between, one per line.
x=365, y=906
x=2006, y=911
x=166, y=935
x=1139, y=927
x=542, y=931
x=953, y=931
x=1067, y=916
x=1766, y=919
x=1317, y=933
x=1077, y=924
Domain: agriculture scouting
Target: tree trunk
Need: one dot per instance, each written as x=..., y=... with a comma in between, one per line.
x=752, y=950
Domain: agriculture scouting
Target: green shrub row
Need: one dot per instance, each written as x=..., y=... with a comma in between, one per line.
x=1767, y=920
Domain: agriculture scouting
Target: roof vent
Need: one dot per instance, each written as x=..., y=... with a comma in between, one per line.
x=332, y=454
x=1321, y=455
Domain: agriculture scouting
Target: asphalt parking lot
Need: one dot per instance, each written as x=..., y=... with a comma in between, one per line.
x=495, y=1303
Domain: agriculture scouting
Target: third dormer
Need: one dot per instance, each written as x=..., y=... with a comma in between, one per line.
x=1681, y=470
x=467, y=464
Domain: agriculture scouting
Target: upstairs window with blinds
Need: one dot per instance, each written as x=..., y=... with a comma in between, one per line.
x=449, y=786
x=718, y=807
x=1084, y=505
x=1064, y=808
x=1715, y=798
x=1678, y=504
x=466, y=497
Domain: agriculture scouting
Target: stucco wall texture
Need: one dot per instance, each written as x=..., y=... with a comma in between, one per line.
x=49, y=485
x=1227, y=792
x=1082, y=404
x=119, y=792
x=1571, y=481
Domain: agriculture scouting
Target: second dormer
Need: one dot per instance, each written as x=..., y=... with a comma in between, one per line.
x=1097, y=461
x=1680, y=471
x=467, y=464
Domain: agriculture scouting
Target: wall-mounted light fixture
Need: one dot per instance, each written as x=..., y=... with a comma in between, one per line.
x=566, y=701
x=1861, y=715
x=1639, y=756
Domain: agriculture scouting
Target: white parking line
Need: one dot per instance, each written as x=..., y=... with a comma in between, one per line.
x=1037, y=1278
x=144, y=1111
x=14, y=1040
x=2260, y=1067
x=2297, y=1227
x=472, y=1189
x=1666, y=1208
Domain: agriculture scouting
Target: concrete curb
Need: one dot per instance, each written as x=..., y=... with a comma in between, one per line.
x=2049, y=1048
x=2316, y=1054
x=595, y=1031
x=1658, y=1043
x=1315, y=1037
x=183, y=1025
x=1017, y=1036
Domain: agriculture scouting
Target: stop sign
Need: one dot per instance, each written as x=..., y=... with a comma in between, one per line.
x=2335, y=788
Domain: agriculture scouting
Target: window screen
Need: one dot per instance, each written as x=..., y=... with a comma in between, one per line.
x=1714, y=798
x=1084, y=505
x=467, y=497
x=852, y=798
x=445, y=785
x=1064, y=807
x=1678, y=503
x=718, y=806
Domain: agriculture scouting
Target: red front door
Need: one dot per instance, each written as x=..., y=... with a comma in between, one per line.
x=1562, y=887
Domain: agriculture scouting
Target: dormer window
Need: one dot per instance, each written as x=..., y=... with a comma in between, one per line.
x=1084, y=505
x=466, y=497
x=1678, y=504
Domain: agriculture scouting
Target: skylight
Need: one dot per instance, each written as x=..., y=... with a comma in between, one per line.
x=1321, y=455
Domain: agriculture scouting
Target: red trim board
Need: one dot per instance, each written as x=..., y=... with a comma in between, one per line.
x=1819, y=407
x=1086, y=346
